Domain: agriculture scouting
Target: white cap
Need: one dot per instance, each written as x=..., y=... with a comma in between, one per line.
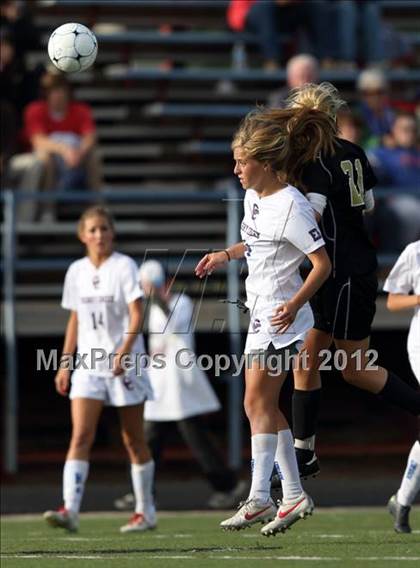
x=152, y=272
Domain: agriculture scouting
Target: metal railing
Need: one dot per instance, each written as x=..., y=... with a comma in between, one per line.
x=10, y=263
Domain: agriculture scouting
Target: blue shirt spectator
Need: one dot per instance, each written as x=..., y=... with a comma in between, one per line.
x=399, y=165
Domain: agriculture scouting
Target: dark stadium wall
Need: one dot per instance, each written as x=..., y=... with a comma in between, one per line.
x=350, y=419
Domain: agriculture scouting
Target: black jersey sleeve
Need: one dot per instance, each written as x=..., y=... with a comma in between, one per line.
x=317, y=178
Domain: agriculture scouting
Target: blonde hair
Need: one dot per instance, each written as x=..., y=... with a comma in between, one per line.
x=323, y=97
x=286, y=139
x=94, y=211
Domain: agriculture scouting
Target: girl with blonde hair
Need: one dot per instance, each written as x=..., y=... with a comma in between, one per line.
x=278, y=231
x=104, y=299
x=338, y=184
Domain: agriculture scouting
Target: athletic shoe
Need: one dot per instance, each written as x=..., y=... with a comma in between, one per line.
x=227, y=499
x=288, y=514
x=139, y=523
x=400, y=514
x=306, y=469
x=250, y=512
x=63, y=518
x=125, y=503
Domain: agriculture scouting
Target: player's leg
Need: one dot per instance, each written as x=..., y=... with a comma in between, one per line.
x=261, y=407
x=223, y=480
x=306, y=400
x=85, y=414
x=363, y=374
x=399, y=505
x=155, y=434
x=142, y=468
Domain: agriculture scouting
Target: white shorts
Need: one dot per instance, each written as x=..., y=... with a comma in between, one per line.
x=122, y=390
x=261, y=333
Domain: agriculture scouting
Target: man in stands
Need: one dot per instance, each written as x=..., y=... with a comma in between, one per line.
x=397, y=166
x=61, y=133
x=300, y=69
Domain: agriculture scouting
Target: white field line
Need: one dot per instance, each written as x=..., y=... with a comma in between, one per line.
x=215, y=557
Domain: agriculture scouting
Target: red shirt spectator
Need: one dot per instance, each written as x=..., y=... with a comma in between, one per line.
x=39, y=119
x=237, y=12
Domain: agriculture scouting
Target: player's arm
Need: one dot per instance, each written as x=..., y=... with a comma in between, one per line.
x=321, y=269
x=214, y=260
x=398, y=302
x=135, y=314
x=62, y=378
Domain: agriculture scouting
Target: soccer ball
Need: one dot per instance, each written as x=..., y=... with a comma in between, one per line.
x=72, y=48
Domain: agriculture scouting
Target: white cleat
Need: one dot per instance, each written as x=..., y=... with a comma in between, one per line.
x=250, y=512
x=139, y=523
x=288, y=514
x=63, y=519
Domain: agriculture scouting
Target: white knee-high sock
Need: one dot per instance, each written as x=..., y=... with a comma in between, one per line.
x=75, y=474
x=410, y=484
x=286, y=465
x=142, y=479
x=263, y=448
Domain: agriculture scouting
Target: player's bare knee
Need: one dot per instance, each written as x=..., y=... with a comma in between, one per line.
x=82, y=441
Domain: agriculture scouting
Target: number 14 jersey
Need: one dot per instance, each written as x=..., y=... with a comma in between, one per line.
x=100, y=296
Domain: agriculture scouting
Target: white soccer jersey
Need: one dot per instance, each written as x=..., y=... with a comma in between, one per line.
x=100, y=296
x=403, y=279
x=178, y=392
x=279, y=231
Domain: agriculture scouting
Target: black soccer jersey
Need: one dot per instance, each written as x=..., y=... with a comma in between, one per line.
x=343, y=178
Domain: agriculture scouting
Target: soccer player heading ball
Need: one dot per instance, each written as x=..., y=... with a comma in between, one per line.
x=279, y=230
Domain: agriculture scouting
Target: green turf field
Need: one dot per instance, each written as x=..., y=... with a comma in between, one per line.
x=345, y=538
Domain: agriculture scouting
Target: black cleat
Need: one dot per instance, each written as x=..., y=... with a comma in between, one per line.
x=309, y=468
x=400, y=514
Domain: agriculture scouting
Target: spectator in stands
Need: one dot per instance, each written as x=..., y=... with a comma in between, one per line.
x=350, y=126
x=272, y=19
x=19, y=85
x=16, y=19
x=374, y=107
x=398, y=167
x=355, y=31
x=62, y=135
x=300, y=69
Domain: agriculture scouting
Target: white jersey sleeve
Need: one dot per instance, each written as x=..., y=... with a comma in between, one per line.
x=69, y=298
x=130, y=286
x=301, y=230
x=400, y=279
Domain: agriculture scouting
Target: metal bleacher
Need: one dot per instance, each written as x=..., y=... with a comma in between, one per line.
x=164, y=123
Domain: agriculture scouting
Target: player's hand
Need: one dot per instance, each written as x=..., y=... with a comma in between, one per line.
x=284, y=316
x=210, y=262
x=62, y=382
x=117, y=368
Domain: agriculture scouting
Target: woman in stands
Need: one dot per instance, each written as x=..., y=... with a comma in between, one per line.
x=403, y=285
x=339, y=187
x=103, y=296
x=278, y=230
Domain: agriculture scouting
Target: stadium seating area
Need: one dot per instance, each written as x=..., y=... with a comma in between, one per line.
x=166, y=99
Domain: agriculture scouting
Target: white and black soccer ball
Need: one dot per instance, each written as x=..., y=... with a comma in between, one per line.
x=72, y=48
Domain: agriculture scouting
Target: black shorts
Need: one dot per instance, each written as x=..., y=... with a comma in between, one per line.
x=345, y=307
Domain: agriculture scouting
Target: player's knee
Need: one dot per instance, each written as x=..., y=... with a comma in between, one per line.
x=82, y=441
x=133, y=444
x=255, y=406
